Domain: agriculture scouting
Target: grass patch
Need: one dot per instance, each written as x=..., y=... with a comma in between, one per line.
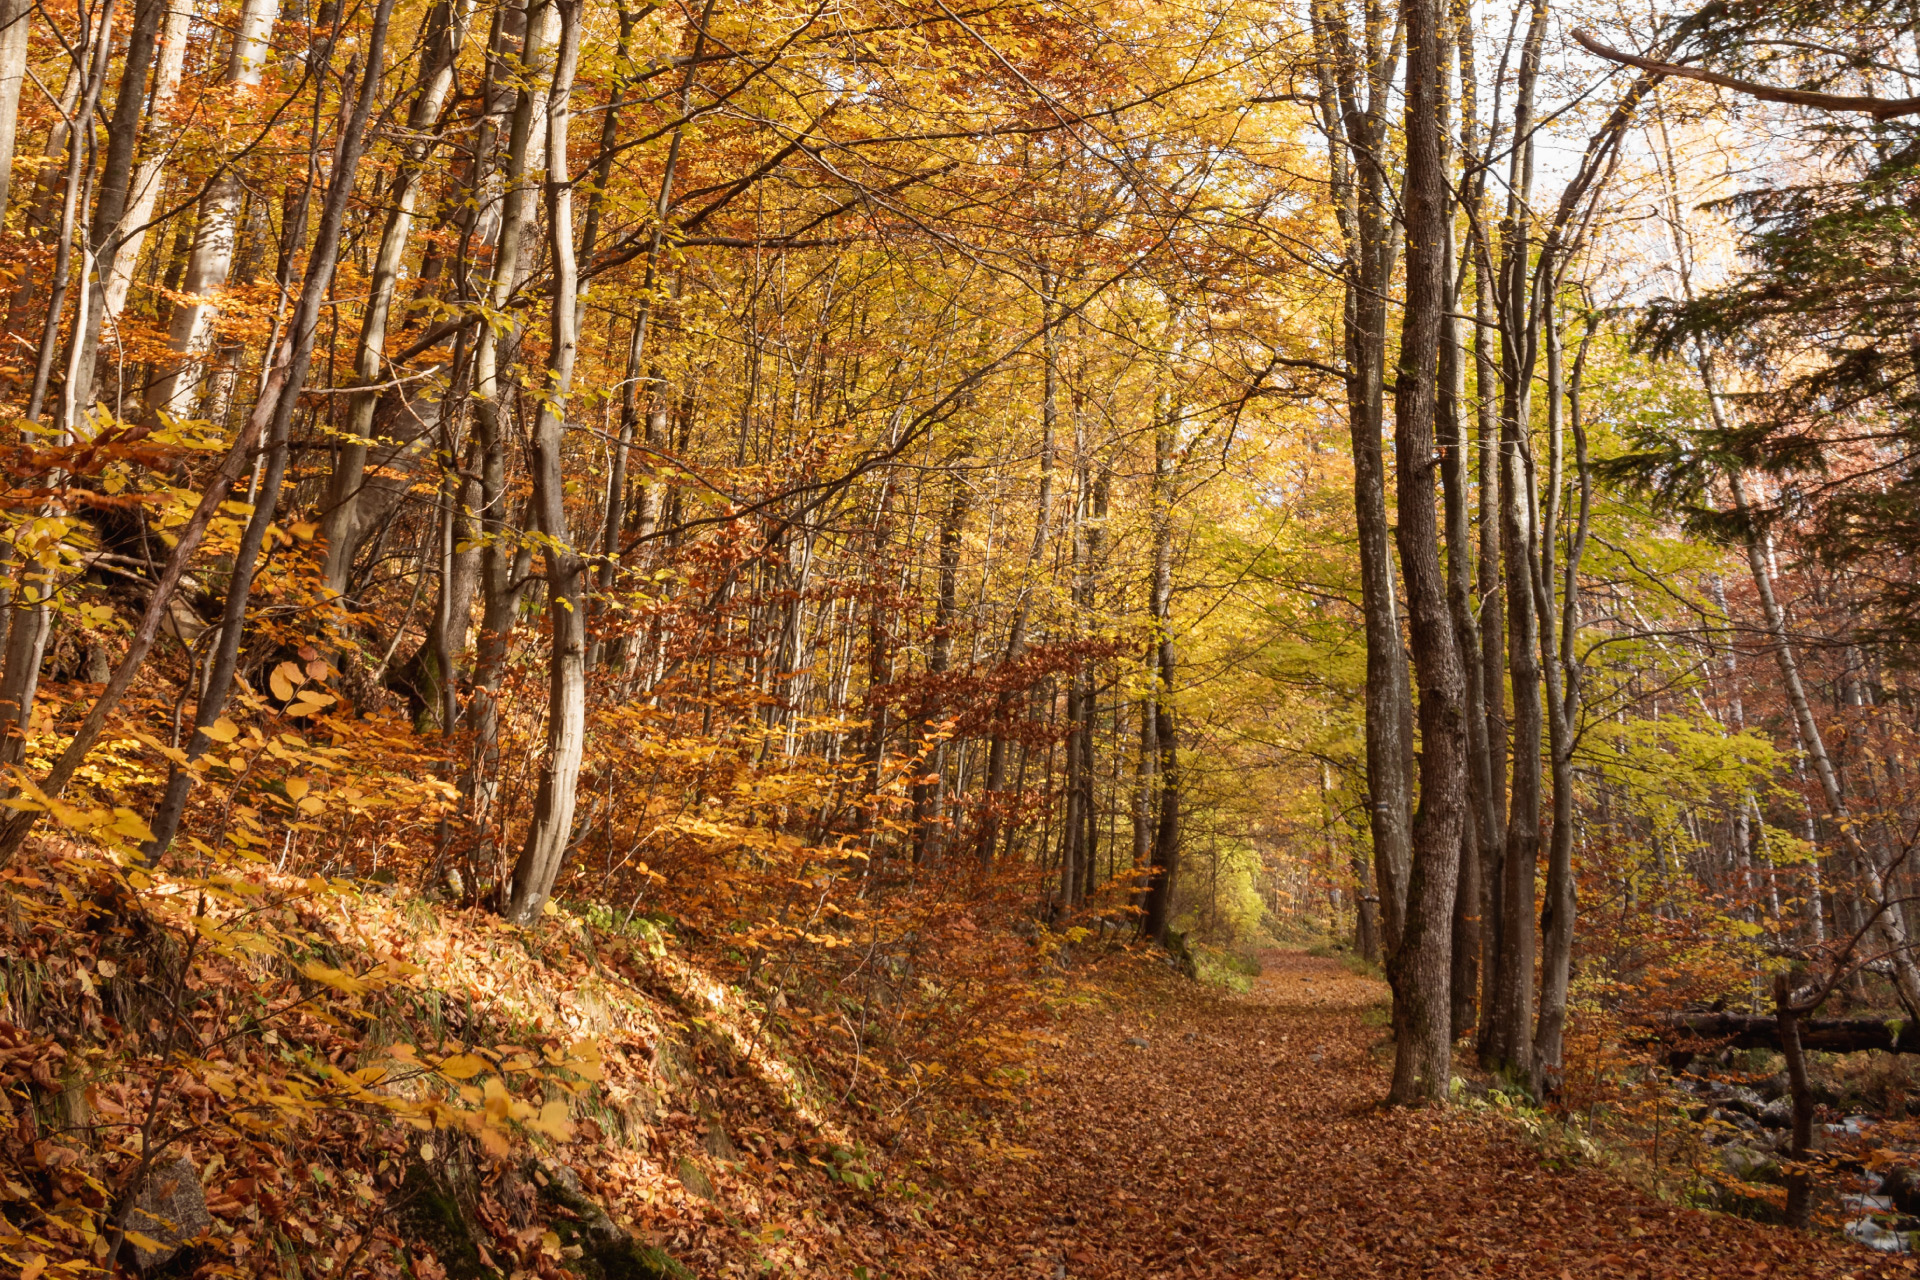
x=1228, y=969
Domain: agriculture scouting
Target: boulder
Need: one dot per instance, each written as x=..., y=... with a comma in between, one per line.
x=1749, y=1165
x=170, y=1211
x=607, y=1252
x=1777, y=1114
x=1902, y=1186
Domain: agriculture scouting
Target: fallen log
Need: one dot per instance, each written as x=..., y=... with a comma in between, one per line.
x=1762, y=1031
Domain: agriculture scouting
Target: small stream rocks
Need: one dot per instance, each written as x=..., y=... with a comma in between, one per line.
x=1751, y=1125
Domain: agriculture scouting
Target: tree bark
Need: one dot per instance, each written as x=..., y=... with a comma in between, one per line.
x=302, y=331
x=190, y=331
x=1419, y=967
x=16, y=26
x=546, y=845
x=445, y=30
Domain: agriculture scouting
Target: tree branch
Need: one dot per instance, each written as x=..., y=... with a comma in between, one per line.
x=1878, y=108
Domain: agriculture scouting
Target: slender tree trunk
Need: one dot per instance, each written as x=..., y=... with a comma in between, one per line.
x=546, y=846
x=440, y=47
x=144, y=192
x=302, y=331
x=16, y=25
x=190, y=331
x=1164, y=855
x=1043, y=520
x=110, y=205
x=1563, y=709
x=1357, y=133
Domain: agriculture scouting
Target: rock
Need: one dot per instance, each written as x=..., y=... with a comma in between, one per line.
x=170, y=1211
x=1746, y=1101
x=1138, y=1042
x=1777, y=1114
x=609, y=1252
x=694, y=1179
x=1902, y=1186
x=1749, y=1165
x=1871, y=1234
x=1738, y=1119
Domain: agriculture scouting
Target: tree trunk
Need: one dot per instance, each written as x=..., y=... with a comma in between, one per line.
x=445, y=29
x=1164, y=856
x=1357, y=133
x=144, y=192
x=1563, y=707
x=1419, y=967
x=16, y=25
x=190, y=332
x=546, y=846
x=301, y=334
x=1799, y=1182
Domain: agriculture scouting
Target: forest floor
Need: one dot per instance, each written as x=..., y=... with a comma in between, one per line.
x=1225, y=1136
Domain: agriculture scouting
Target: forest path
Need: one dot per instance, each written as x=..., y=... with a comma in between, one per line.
x=1245, y=1140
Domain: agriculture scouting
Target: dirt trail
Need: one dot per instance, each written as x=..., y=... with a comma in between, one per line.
x=1244, y=1140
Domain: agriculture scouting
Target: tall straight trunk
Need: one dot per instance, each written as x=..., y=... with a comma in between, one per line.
x=1419, y=968
x=1450, y=427
x=1355, y=87
x=1450, y=424
x=440, y=46
x=1491, y=620
x=1096, y=553
x=144, y=192
x=505, y=558
x=927, y=793
x=1562, y=660
x=301, y=333
x=1509, y=1042
x=16, y=25
x=1036, y=553
x=98, y=54
x=1164, y=854
x=190, y=331
x=546, y=845
x=110, y=205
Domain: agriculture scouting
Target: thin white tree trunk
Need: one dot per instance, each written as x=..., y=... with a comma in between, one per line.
x=547, y=836
x=349, y=472
x=16, y=24
x=211, y=259
x=145, y=187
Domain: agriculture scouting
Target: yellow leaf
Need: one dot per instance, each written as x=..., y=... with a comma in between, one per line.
x=284, y=678
x=553, y=1121
x=297, y=789
x=338, y=979
x=304, y=530
x=223, y=730
x=462, y=1066
x=128, y=823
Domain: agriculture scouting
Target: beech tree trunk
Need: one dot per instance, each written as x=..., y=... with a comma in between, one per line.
x=16, y=26
x=445, y=29
x=190, y=331
x=301, y=332
x=546, y=845
x=1419, y=967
